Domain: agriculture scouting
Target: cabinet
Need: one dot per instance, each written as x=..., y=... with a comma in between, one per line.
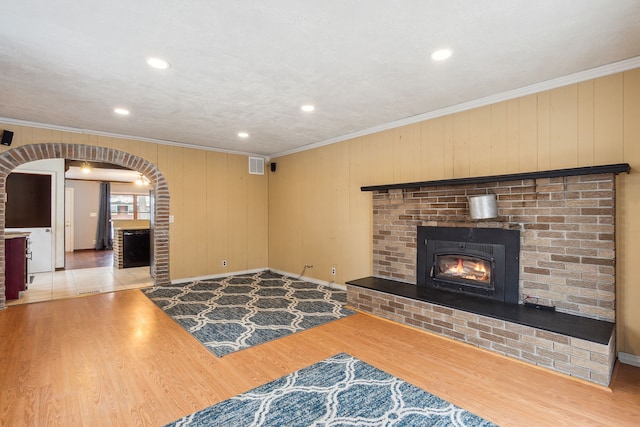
x=15, y=270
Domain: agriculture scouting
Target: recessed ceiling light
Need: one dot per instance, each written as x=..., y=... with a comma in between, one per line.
x=307, y=108
x=158, y=63
x=121, y=111
x=243, y=134
x=441, y=55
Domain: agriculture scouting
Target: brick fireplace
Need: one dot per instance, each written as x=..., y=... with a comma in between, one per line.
x=566, y=221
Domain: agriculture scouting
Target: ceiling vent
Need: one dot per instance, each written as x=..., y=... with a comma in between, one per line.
x=256, y=165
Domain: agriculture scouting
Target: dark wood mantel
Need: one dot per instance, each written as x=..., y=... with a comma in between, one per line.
x=588, y=170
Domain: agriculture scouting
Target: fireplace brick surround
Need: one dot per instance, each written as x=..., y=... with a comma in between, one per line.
x=567, y=260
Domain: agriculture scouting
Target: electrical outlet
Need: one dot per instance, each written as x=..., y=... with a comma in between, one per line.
x=333, y=271
x=224, y=262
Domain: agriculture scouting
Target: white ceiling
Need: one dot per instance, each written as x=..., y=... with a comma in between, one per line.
x=101, y=174
x=240, y=65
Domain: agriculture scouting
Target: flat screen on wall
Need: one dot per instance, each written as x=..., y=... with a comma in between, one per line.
x=28, y=201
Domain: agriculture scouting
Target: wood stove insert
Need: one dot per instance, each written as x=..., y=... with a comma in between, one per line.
x=482, y=262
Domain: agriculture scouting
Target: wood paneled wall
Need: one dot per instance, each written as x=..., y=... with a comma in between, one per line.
x=311, y=211
x=220, y=210
x=319, y=216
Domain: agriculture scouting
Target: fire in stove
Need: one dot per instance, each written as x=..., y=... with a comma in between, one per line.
x=464, y=267
x=480, y=262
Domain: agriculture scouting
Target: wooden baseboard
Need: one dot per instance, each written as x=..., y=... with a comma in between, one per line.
x=629, y=359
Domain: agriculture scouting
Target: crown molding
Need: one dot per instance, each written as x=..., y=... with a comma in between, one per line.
x=70, y=129
x=593, y=73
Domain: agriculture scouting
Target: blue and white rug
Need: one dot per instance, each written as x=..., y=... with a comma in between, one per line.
x=339, y=391
x=236, y=312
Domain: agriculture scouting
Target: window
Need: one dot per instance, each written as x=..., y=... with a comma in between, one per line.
x=130, y=206
x=143, y=207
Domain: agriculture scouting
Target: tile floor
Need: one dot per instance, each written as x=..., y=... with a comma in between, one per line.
x=83, y=282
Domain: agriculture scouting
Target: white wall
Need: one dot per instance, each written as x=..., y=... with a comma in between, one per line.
x=127, y=188
x=86, y=201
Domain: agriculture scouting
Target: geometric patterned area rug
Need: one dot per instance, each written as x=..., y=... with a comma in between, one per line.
x=237, y=312
x=339, y=391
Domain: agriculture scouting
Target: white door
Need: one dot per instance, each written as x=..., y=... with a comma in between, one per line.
x=68, y=219
x=41, y=247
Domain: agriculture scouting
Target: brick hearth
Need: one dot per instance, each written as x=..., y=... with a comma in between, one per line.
x=573, y=356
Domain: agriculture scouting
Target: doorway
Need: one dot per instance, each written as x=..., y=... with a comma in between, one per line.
x=15, y=157
x=68, y=221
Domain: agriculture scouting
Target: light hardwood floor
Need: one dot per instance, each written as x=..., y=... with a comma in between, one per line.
x=116, y=359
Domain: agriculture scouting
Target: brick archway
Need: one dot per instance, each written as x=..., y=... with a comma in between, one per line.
x=11, y=159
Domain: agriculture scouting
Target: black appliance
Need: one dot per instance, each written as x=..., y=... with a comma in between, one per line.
x=136, y=248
